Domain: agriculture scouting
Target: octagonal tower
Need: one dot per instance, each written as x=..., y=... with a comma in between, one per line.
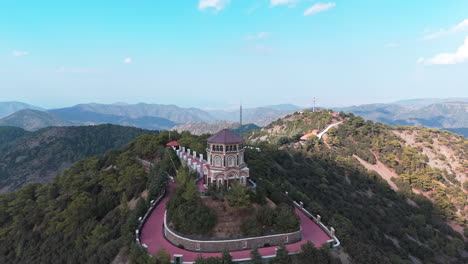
x=226, y=164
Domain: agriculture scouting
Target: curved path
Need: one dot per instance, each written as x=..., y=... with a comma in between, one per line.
x=328, y=128
x=152, y=236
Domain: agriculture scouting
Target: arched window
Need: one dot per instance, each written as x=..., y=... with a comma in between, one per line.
x=231, y=161
x=217, y=161
x=232, y=175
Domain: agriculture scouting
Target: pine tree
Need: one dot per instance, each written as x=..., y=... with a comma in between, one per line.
x=255, y=256
x=123, y=204
x=282, y=255
x=238, y=196
x=227, y=258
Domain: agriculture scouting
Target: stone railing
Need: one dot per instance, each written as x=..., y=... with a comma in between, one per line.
x=218, y=245
x=334, y=242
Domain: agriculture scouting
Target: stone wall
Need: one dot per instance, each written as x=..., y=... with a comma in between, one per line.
x=230, y=244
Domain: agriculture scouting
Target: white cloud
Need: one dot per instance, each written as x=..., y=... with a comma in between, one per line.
x=460, y=56
x=216, y=4
x=319, y=7
x=258, y=36
x=17, y=53
x=392, y=45
x=460, y=27
x=283, y=2
x=127, y=60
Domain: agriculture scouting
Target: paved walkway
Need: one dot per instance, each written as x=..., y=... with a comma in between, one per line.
x=152, y=236
x=328, y=128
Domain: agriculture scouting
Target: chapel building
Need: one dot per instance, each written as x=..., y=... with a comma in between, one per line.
x=225, y=151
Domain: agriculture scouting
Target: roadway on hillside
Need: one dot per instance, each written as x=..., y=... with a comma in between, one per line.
x=328, y=128
x=152, y=236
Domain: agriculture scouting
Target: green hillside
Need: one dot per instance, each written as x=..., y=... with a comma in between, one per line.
x=89, y=213
x=40, y=156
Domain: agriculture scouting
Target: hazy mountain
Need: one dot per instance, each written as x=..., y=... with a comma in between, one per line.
x=460, y=131
x=440, y=115
x=444, y=115
x=205, y=128
x=33, y=120
x=171, y=112
x=83, y=117
x=422, y=102
x=284, y=107
x=260, y=116
x=40, y=156
x=8, y=108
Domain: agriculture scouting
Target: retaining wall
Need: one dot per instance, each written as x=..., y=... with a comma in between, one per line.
x=230, y=244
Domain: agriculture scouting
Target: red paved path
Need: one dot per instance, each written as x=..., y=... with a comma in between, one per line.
x=152, y=236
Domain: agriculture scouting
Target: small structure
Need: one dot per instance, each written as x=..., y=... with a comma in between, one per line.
x=225, y=151
x=335, y=114
x=173, y=144
x=309, y=135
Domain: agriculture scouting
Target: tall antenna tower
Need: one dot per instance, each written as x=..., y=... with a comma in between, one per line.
x=313, y=108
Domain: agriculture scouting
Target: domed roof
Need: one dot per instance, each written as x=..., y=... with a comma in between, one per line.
x=225, y=136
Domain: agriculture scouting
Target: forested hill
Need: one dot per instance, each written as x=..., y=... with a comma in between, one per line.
x=90, y=212
x=40, y=156
x=421, y=174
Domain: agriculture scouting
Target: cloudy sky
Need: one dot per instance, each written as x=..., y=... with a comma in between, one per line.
x=216, y=53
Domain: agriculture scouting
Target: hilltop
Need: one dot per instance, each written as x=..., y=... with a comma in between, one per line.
x=413, y=160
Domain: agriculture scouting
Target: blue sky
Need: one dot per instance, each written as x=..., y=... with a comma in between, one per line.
x=216, y=53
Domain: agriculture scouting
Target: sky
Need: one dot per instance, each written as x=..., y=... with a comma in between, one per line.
x=218, y=53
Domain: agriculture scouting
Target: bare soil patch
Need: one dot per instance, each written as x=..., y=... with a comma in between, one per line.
x=385, y=172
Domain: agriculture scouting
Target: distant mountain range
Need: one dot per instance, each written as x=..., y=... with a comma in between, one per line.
x=147, y=116
x=8, y=108
x=418, y=112
x=260, y=116
x=197, y=128
x=451, y=113
x=32, y=120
